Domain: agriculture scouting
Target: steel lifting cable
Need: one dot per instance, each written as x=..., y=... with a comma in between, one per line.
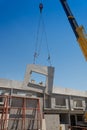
x=38, y=47
x=36, y=44
x=36, y=54
x=49, y=58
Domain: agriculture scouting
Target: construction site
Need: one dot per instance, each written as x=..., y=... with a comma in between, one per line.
x=31, y=105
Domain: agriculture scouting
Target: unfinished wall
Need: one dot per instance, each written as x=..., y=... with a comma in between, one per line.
x=52, y=122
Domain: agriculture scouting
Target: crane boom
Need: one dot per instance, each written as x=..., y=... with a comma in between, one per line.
x=79, y=31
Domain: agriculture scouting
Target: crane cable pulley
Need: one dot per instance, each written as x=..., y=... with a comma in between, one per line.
x=40, y=7
x=38, y=45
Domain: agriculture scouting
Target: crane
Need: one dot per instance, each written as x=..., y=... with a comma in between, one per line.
x=79, y=31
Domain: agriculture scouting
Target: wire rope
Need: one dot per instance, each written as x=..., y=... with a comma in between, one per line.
x=37, y=44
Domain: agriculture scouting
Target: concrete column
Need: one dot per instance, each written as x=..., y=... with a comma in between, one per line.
x=71, y=104
x=67, y=104
x=53, y=102
x=84, y=105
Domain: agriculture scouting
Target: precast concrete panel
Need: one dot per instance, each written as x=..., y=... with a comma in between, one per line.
x=52, y=121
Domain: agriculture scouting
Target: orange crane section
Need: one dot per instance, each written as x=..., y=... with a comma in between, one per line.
x=79, y=31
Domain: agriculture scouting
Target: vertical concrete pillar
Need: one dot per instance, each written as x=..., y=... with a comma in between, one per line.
x=53, y=102
x=84, y=105
x=71, y=104
x=67, y=104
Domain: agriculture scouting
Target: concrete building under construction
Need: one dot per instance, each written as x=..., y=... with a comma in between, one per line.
x=29, y=105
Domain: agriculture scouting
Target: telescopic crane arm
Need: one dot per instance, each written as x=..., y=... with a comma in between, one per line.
x=78, y=30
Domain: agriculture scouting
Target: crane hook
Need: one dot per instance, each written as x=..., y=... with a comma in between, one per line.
x=40, y=7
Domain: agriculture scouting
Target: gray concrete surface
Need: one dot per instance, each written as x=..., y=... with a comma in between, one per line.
x=55, y=102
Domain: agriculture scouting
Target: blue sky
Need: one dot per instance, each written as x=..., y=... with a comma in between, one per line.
x=18, y=29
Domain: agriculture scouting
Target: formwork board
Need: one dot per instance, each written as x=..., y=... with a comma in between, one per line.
x=20, y=113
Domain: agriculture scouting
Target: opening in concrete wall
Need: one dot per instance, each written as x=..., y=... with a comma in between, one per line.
x=1, y=99
x=60, y=101
x=5, y=91
x=38, y=78
x=79, y=118
x=73, y=120
x=64, y=119
x=0, y=92
x=77, y=103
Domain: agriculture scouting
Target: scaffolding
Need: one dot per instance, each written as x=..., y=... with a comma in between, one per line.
x=20, y=113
